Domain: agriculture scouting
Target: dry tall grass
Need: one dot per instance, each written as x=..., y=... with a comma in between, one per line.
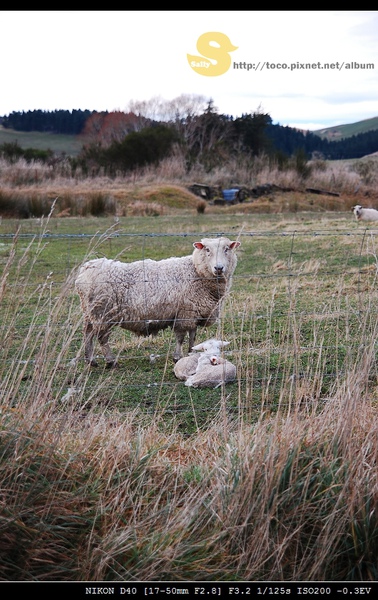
x=101, y=494
x=33, y=186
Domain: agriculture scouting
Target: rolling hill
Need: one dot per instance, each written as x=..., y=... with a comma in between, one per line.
x=344, y=131
x=72, y=144
x=58, y=143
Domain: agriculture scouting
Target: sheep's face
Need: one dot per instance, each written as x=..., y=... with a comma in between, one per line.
x=357, y=211
x=217, y=255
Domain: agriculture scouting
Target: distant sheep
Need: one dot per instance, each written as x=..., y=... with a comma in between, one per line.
x=365, y=214
x=206, y=369
x=146, y=296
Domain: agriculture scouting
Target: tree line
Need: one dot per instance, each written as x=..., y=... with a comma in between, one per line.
x=148, y=131
x=56, y=121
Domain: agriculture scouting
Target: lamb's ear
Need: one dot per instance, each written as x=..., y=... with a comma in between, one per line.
x=198, y=245
x=235, y=245
x=220, y=343
x=198, y=347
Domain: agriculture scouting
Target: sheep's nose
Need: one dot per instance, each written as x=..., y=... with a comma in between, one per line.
x=218, y=269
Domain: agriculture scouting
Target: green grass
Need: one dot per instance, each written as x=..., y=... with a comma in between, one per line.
x=128, y=475
x=58, y=143
x=345, y=131
x=294, y=312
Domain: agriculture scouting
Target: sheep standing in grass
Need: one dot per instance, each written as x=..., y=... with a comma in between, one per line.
x=146, y=296
x=207, y=368
x=365, y=214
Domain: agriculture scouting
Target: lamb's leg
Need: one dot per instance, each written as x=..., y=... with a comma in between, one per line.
x=103, y=338
x=189, y=381
x=88, y=344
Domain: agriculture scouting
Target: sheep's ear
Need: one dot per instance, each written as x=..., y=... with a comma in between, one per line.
x=198, y=245
x=234, y=245
x=224, y=343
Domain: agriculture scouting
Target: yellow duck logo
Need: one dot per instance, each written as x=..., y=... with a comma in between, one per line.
x=219, y=53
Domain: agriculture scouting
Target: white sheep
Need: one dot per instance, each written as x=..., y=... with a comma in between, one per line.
x=206, y=369
x=365, y=214
x=146, y=296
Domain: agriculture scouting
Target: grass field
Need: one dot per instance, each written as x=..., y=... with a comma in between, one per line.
x=302, y=306
x=58, y=143
x=343, y=131
x=129, y=475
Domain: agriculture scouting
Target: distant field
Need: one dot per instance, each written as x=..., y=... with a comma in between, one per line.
x=58, y=143
x=344, y=131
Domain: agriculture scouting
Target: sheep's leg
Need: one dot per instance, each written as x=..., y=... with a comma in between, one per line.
x=192, y=338
x=88, y=344
x=103, y=338
x=180, y=336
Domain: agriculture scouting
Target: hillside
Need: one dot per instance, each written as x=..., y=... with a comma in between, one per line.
x=335, y=143
x=344, y=131
x=58, y=143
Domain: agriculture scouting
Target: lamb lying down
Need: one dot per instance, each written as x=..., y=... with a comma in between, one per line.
x=206, y=369
x=212, y=372
x=187, y=365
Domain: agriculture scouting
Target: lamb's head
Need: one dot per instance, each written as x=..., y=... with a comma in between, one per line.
x=211, y=346
x=215, y=257
x=208, y=360
x=357, y=210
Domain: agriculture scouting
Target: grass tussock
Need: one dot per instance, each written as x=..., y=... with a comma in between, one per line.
x=99, y=496
x=279, y=482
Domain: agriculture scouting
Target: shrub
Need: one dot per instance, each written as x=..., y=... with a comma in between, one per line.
x=11, y=151
x=201, y=206
x=138, y=149
x=99, y=204
x=301, y=164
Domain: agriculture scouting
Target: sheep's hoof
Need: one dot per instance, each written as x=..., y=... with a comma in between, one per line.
x=111, y=364
x=92, y=363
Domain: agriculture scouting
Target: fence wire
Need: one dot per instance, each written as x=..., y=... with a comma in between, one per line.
x=303, y=312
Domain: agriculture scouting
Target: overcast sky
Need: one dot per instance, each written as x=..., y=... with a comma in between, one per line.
x=101, y=60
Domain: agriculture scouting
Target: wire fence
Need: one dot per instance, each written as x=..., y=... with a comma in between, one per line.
x=302, y=313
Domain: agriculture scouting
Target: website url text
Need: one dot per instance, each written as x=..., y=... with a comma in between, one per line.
x=297, y=66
